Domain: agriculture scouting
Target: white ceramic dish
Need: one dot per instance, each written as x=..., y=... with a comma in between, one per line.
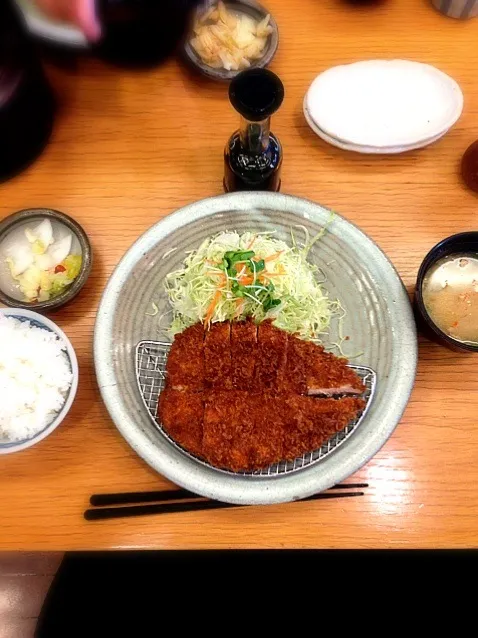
x=379, y=322
x=384, y=103
x=50, y=30
x=7, y=447
x=366, y=150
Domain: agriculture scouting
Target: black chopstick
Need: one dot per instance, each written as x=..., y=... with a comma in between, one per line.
x=132, y=498
x=349, y=486
x=109, y=513
x=129, y=498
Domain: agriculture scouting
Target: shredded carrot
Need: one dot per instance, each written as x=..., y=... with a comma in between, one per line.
x=212, y=305
x=246, y=280
x=272, y=274
x=252, y=243
x=274, y=256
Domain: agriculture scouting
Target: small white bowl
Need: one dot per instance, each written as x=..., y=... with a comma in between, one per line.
x=47, y=324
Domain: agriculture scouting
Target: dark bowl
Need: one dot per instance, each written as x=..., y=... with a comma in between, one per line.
x=8, y=224
x=256, y=11
x=460, y=243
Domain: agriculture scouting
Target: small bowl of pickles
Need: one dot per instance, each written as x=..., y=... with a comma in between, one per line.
x=45, y=259
x=446, y=294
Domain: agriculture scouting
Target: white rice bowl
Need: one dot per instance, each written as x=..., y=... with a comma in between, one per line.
x=38, y=378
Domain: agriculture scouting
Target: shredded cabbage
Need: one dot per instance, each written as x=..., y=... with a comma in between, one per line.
x=200, y=285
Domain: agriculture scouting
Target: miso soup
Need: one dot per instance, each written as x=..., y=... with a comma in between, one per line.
x=450, y=295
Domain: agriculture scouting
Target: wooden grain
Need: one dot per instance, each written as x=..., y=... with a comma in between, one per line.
x=130, y=148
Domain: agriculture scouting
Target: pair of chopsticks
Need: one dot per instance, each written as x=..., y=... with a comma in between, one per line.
x=127, y=504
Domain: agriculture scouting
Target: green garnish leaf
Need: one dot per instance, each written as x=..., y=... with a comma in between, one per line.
x=258, y=266
x=270, y=303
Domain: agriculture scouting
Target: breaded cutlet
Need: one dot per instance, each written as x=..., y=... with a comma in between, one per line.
x=310, y=422
x=185, y=364
x=326, y=374
x=243, y=354
x=238, y=397
x=311, y=370
x=217, y=356
x=228, y=424
x=271, y=357
x=181, y=414
x=244, y=432
x=294, y=377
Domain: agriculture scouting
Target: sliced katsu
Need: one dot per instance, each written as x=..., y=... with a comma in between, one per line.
x=311, y=370
x=271, y=358
x=182, y=415
x=240, y=431
x=243, y=354
x=239, y=395
x=217, y=356
x=246, y=433
x=310, y=422
x=185, y=365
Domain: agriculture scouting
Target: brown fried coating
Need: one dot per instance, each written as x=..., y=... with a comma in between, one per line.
x=185, y=364
x=237, y=395
x=243, y=354
x=181, y=415
x=228, y=423
x=310, y=370
x=294, y=377
x=271, y=357
x=310, y=422
x=244, y=432
x=217, y=356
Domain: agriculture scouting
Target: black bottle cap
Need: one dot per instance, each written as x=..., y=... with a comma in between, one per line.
x=256, y=94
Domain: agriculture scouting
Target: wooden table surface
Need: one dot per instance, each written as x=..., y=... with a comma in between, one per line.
x=129, y=149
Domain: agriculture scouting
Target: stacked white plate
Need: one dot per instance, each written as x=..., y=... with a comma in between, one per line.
x=382, y=106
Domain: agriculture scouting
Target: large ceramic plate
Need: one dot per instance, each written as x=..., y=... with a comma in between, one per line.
x=45, y=28
x=379, y=322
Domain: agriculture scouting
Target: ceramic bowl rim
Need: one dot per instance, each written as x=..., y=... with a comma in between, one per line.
x=207, y=481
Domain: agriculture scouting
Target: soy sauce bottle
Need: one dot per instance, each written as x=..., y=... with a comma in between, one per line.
x=142, y=33
x=253, y=155
x=27, y=104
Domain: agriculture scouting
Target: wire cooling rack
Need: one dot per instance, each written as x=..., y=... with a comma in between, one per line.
x=151, y=357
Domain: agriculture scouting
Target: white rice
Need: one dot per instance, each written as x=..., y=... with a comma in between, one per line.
x=35, y=376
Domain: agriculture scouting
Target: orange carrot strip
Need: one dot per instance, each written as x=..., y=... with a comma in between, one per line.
x=274, y=256
x=252, y=243
x=212, y=305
